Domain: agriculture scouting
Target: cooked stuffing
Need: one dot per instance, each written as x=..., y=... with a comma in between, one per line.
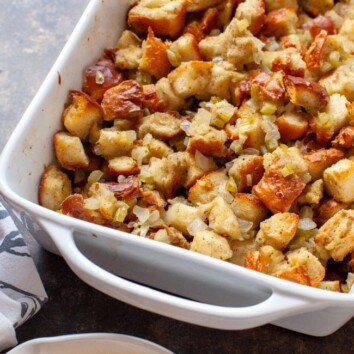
x=224, y=127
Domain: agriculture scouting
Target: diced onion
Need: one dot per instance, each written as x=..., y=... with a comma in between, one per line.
x=305, y=177
x=162, y=236
x=249, y=180
x=121, y=212
x=214, y=32
x=202, y=161
x=185, y=126
x=173, y=58
x=196, y=225
x=92, y=203
x=144, y=230
x=141, y=213
x=94, y=177
x=217, y=59
x=287, y=170
x=99, y=78
x=245, y=225
x=231, y=185
x=121, y=178
x=306, y=224
x=249, y=151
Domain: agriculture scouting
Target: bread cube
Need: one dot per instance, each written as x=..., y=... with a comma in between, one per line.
x=186, y=48
x=123, y=165
x=292, y=126
x=165, y=17
x=211, y=244
x=54, y=187
x=129, y=51
x=319, y=160
x=162, y=126
x=123, y=101
x=154, y=60
x=278, y=4
x=337, y=234
x=198, y=5
x=81, y=114
x=278, y=192
x=223, y=221
x=327, y=208
x=280, y=22
x=278, y=230
x=208, y=187
x=312, y=194
x=253, y=11
x=69, y=151
x=338, y=180
x=331, y=285
x=317, y=7
x=345, y=138
x=247, y=171
x=113, y=143
x=248, y=207
x=306, y=93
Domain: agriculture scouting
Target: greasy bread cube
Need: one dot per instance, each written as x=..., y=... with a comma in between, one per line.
x=165, y=17
x=338, y=180
x=161, y=125
x=247, y=171
x=337, y=234
x=278, y=192
x=154, y=60
x=327, y=208
x=54, y=187
x=248, y=207
x=69, y=151
x=292, y=125
x=278, y=230
x=211, y=244
x=319, y=160
x=123, y=165
x=81, y=114
x=345, y=138
x=306, y=93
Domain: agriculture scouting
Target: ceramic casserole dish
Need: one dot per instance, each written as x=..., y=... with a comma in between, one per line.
x=151, y=275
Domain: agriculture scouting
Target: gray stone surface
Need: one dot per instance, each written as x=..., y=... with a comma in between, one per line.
x=32, y=33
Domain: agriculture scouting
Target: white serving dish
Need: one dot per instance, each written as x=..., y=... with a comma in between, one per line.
x=93, y=343
x=153, y=276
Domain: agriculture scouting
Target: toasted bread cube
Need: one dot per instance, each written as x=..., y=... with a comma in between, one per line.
x=154, y=60
x=327, y=208
x=270, y=86
x=278, y=192
x=208, y=187
x=247, y=171
x=317, y=7
x=123, y=165
x=340, y=81
x=186, y=48
x=292, y=126
x=165, y=17
x=129, y=51
x=338, y=180
x=198, y=5
x=288, y=60
x=159, y=149
x=280, y=22
x=278, y=4
x=180, y=215
x=347, y=28
x=81, y=114
x=297, y=274
x=278, y=230
x=162, y=126
x=69, y=151
x=306, y=93
x=331, y=285
x=211, y=244
x=312, y=194
x=319, y=160
x=314, y=268
x=266, y=259
x=325, y=125
x=240, y=250
x=248, y=207
x=113, y=143
x=345, y=138
x=123, y=101
x=253, y=11
x=337, y=234
x=168, y=96
x=223, y=221
x=290, y=158
x=54, y=187
x=210, y=144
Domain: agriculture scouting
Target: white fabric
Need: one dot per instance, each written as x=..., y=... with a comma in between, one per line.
x=21, y=290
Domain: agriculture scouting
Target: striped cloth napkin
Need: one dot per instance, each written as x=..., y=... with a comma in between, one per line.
x=21, y=291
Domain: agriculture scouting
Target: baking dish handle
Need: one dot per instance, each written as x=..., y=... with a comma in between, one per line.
x=277, y=305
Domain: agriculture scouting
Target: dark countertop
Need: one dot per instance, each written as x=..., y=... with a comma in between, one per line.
x=32, y=34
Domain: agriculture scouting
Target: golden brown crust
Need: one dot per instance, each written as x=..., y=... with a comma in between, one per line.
x=345, y=138
x=292, y=126
x=280, y=22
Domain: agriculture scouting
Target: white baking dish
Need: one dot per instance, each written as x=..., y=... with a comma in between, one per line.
x=156, y=277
